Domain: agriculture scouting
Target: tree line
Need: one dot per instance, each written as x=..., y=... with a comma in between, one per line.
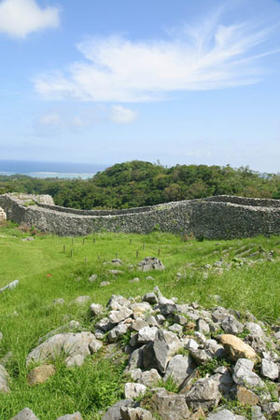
x=137, y=183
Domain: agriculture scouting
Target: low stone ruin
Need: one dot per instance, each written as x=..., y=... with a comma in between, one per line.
x=183, y=361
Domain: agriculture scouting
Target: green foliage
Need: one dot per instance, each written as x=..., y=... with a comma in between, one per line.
x=169, y=384
x=137, y=183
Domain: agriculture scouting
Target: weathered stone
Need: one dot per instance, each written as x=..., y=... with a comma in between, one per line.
x=3, y=216
x=75, y=346
x=105, y=283
x=136, y=359
x=215, y=349
x=116, y=261
x=256, y=413
x=140, y=308
x=219, y=314
x=81, y=300
x=179, y=367
x=202, y=326
x=169, y=406
x=114, y=412
x=231, y=326
x=246, y=397
x=271, y=409
x=117, y=316
x=150, y=298
x=255, y=329
x=92, y=278
x=222, y=415
x=138, y=324
x=138, y=413
x=134, y=390
x=40, y=374
x=167, y=308
x=150, y=377
x=201, y=355
x=150, y=263
x=243, y=374
x=147, y=334
x=236, y=348
x=96, y=309
x=4, y=379
x=269, y=369
x=10, y=286
x=134, y=280
x=176, y=328
x=204, y=393
x=115, y=272
x=25, y=414
x=117, y=332
x=191, y=344
x=104, y=324
x=75, y=416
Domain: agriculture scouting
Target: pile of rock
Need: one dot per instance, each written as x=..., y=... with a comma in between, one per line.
x=210, y=359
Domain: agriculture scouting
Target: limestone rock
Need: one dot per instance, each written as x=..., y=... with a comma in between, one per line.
x=150, y=263
x=138, y=413
x=75, y=416
x=75, y=346
x=269, y=369
x=3, y=216
x=204, y=393
x=117, y=316
x=114, y=412
x=117, y=302
x=169, y=406
x=117, y=332
x=179, y=368
x=92, y=278
x=231, y=326
x=222, y=415
x=256, y=413
x=140, y=308
x=25, y=414
x=243, y=374
x=134, y=390
x=150, y=377
x=236, y=348
x=147, y=334
x=150, y=298
x=96, y=309
x=4, y=379
x=105, y=283
x=255, y=329
x=40, y=374
x=246, y=397
x=10, y=286
x=104, y=324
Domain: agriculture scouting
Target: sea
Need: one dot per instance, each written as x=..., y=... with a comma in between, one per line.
x=50, y=169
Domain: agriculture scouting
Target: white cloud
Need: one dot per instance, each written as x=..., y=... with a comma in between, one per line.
x=122, y=115
x=208, y=55
x=18, y=18
x=50, y=119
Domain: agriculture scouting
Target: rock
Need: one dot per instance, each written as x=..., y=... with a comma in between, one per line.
x=231, y=326
x=4, y=380
x=167, y=308
x=138, y=324
x=255, y=329
x=176, y=328
x=134, y=390
x=202, y=326
x=121, y=314
x=96, y=309
x=92, y=278
x=117, y=302
x=236, y=348
x=215, y=349
x=147, y=334
x=243, y=374
x=105, y=283
x=59, y=301
x=149, y=278
x=134, y=280
x=115, y=272
x=169, y=406
x=40, y=374
x=256, y=413
x=271, y=409
x=150, y=298
x=75, y=346
x=204, y=393
x=114, y=412
x=246, y=397
x=70, y=326
x=136, y=359
x=10, y=286
x=75, y=416
x=219, y=314
x=138, y=413
x=150, y=263
x=25, y=414
x=3, y=216
x=104, y=324
x=269, y=369
x=222, y=415
x=179, y=368
x=201, y=356
x=81, y=300
x=150, y=377
x=116, y=261
x=191, y=344
x=140, y=308
x=117, y=332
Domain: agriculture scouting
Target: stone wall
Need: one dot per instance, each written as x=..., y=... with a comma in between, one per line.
x=220, y=217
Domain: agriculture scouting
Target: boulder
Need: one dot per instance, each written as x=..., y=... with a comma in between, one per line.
x=179, y=368
x=119, y=315
x=236, y=348
x=40, y=374
x=231, y=326
x=269, y=369
x=169, y=406
x=150, y=263
x=243, y=374
x=96, y=309
x=117, y=302
x=114, y=412
x=3, y=216
x=75, y=346
x=138, y=413
x=10, y=286
x=25, y=414
x=246, y=397
x=134, y=390
x=204, y=393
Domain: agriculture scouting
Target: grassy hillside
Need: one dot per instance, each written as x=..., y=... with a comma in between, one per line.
x=244, y=273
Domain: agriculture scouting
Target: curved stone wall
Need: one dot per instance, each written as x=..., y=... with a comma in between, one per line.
x=221, y=217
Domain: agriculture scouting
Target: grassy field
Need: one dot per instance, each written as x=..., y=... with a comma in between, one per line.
x=50, y=267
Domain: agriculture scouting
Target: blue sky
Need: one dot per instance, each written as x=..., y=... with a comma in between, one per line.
x=187, y=81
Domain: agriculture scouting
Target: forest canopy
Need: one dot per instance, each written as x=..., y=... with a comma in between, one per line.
x=138, y=183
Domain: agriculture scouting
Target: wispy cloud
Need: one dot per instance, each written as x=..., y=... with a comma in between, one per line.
x=208, y=55
x=122, y=115
x=18, y=18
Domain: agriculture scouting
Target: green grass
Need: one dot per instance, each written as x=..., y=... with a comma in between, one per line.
x=46, y=272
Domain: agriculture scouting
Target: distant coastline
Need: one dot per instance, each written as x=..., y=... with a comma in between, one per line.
x=49, y=169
